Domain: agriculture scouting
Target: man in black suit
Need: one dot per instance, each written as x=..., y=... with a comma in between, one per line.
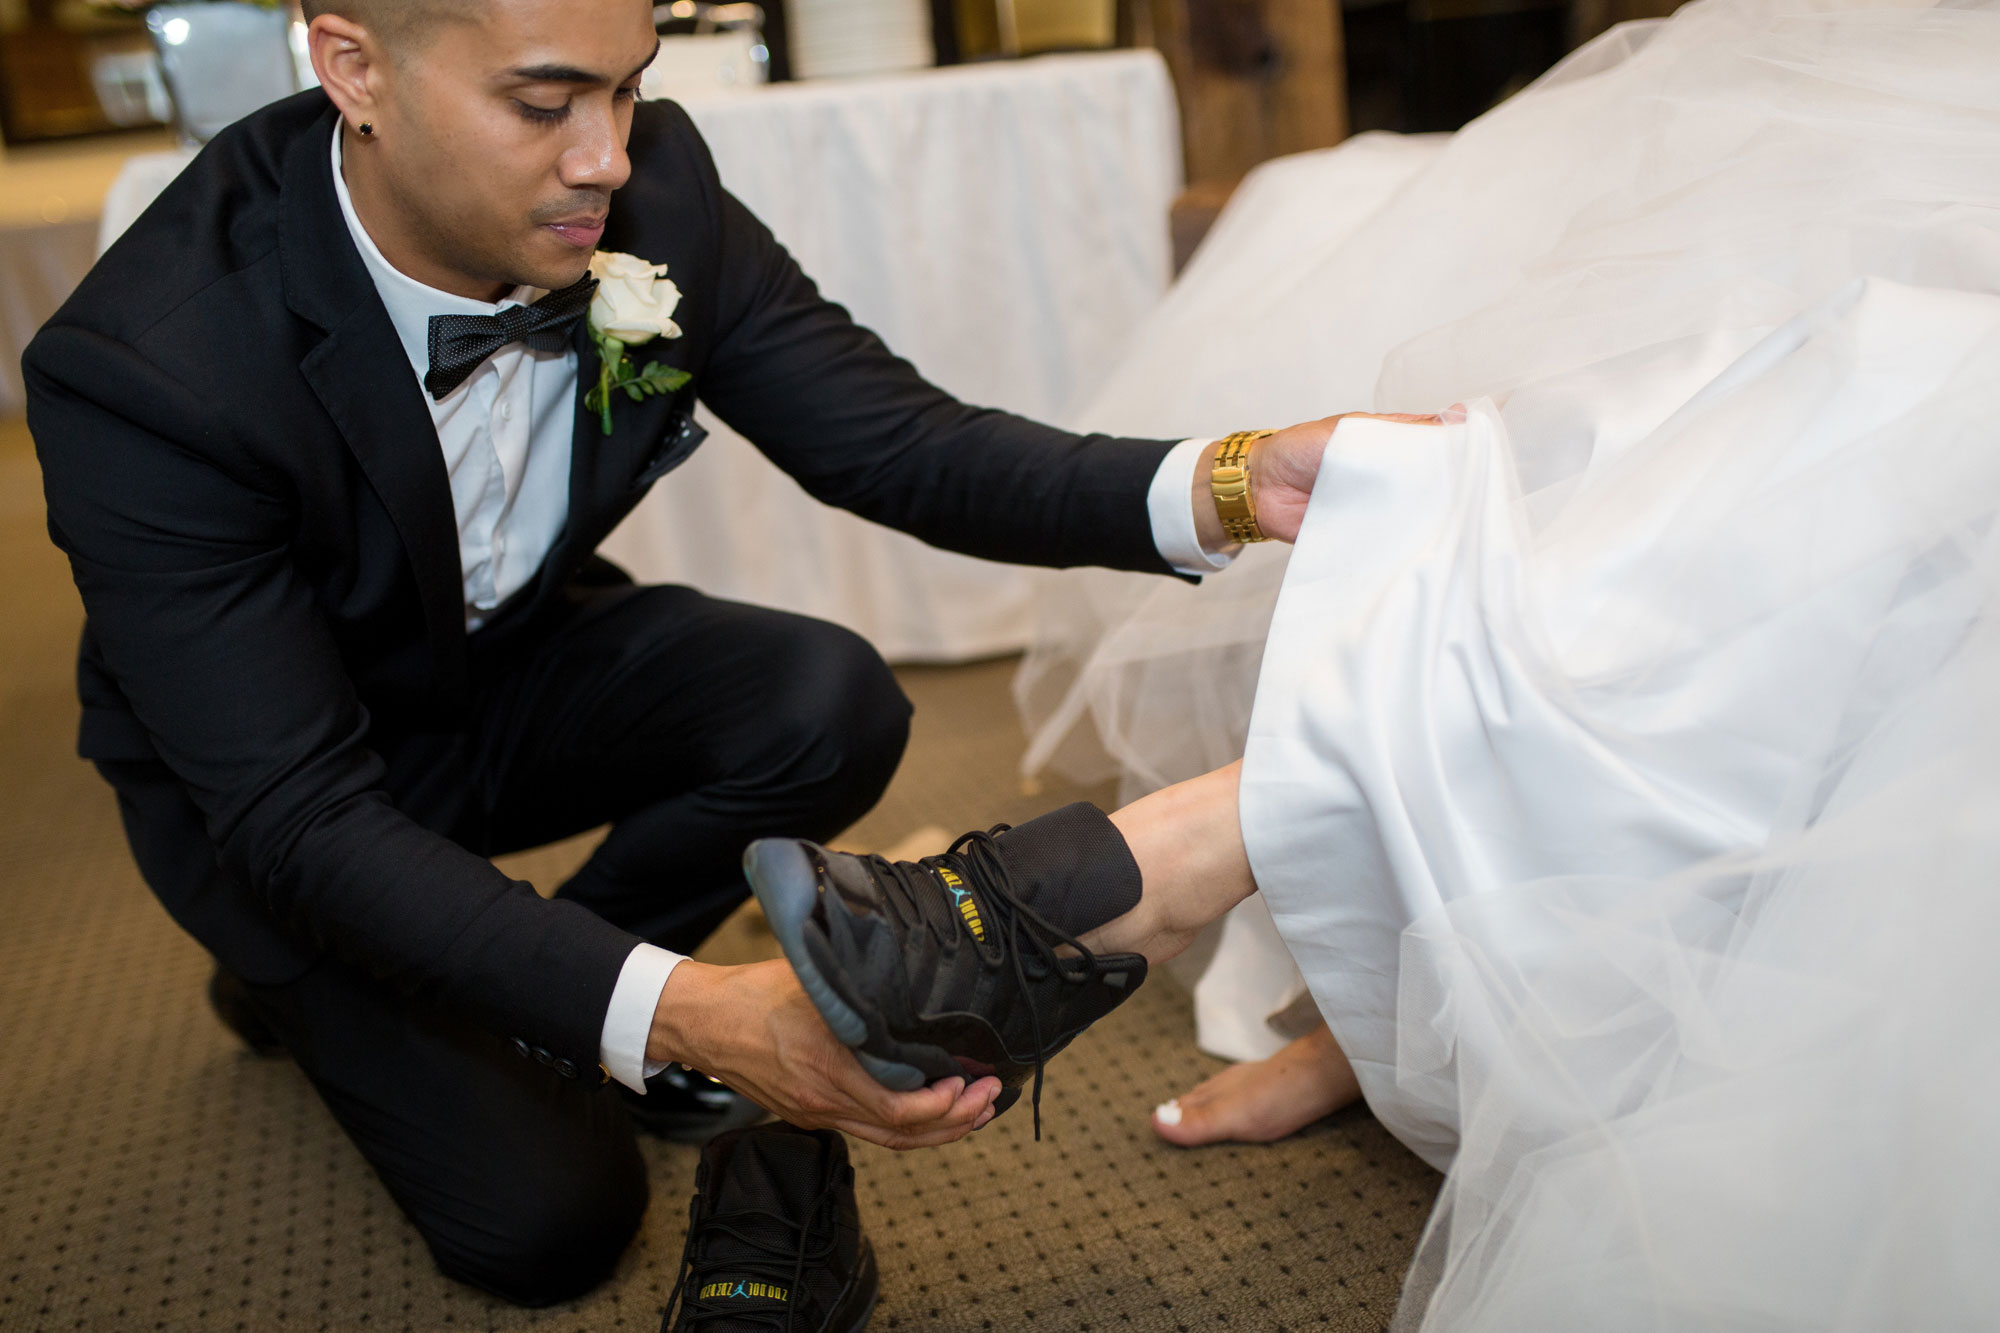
x=317, y=446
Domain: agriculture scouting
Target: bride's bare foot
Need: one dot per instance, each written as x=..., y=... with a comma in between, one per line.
x=1264, y=1100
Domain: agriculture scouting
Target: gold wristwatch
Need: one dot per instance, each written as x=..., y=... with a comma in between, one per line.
x=1229, y=483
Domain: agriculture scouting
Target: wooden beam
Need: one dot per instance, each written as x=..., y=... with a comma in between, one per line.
x=1257, y=79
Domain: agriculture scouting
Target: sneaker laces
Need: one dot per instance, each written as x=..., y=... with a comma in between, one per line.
x=976, y=859
x=770, y=1262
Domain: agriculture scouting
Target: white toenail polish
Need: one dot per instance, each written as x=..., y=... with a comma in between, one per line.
x=1168, y=1113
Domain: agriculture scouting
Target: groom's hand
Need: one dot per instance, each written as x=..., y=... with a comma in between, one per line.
x=753, y=1028
x=1282, y=469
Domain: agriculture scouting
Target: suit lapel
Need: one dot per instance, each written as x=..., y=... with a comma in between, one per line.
x=605, y=469
x=363, y=379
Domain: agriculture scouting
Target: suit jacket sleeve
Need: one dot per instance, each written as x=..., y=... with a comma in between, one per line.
x=181, y=552
x=858, y=427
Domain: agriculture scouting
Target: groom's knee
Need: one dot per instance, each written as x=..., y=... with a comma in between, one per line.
x=838, y=722
x=544, y=1236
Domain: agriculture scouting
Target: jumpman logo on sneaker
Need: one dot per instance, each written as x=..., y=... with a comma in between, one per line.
x=962, y=899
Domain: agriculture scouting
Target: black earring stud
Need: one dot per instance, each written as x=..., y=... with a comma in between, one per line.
x=367, y=128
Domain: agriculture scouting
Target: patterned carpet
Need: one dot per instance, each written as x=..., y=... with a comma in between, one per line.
x=154, y=1176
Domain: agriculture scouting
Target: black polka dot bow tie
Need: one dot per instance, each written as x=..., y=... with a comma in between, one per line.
x=460, y=343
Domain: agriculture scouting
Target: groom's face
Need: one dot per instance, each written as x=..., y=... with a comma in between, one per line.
x=502, y=128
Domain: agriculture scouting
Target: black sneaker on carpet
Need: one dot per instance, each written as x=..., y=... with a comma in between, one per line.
x=966, y=963
x=230, y=998
x=774, y=1239
x=683, y=1105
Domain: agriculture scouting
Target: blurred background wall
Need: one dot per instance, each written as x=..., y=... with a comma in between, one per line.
x=1257, y=78
x=88, y=86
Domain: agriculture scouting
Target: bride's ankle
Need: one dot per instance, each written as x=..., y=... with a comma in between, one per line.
x=1143, y=930
x=1188, y=845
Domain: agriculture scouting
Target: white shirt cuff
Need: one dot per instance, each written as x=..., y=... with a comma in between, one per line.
x=1170, y=504
x=628, y=1022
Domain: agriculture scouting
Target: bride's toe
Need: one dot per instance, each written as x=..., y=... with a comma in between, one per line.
x=1186, y=1124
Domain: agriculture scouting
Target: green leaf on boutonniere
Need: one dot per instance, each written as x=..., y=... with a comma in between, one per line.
x=614, y=372
x=662, y=379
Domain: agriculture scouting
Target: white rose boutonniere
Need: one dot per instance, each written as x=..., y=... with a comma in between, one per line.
x=634, y=304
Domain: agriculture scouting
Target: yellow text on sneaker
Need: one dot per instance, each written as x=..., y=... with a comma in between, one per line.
x=742, y=1290
x=967, y=908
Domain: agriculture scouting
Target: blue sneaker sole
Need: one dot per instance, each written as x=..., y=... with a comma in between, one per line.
x=781, y=874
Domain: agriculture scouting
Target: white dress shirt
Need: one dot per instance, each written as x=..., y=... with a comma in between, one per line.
x=506, y=436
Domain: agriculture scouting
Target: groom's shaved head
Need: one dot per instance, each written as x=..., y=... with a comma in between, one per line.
x=397, y=22
x=482, y=139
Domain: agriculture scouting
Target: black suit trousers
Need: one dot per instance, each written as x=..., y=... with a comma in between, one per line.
x=691, y=726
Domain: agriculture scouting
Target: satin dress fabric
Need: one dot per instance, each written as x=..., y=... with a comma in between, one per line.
x=1624, y=764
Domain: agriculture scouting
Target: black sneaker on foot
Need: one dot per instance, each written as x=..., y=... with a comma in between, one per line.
x=683, y=1105
x=774, y=1239
x=965, y=963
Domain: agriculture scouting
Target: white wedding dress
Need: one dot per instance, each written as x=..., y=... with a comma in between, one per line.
x=1624, y=769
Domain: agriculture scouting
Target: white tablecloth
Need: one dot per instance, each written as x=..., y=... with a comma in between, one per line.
x=1003, y=226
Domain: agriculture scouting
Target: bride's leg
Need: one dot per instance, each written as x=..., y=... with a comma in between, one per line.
x=1261, y=1101
x=1188, y=842
x=1192, y=865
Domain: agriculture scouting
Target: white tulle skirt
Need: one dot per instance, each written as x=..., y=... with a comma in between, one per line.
x=1624, y=768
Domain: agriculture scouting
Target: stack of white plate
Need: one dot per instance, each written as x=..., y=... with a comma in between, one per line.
x=831, y=38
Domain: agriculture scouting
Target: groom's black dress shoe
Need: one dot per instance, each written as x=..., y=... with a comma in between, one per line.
x=230, y=999
x=965, y=963
x=683, y=1105
x=774, y=1240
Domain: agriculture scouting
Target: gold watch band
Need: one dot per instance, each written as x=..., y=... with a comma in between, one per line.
x=1229, y=483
